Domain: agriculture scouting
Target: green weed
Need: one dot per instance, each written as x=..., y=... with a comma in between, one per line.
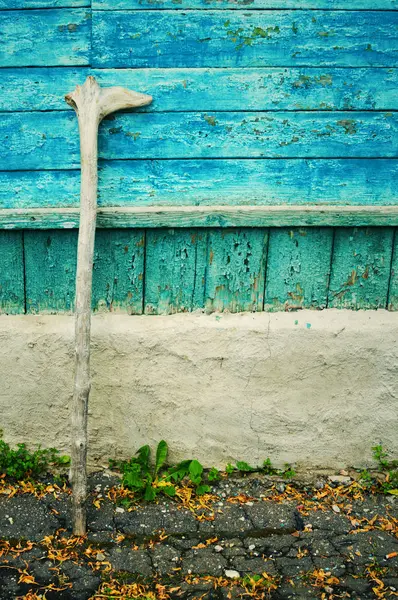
x=149, y=480
x=21, y=463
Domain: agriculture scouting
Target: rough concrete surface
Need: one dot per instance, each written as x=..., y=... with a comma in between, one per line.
x=310, y=388
x=255, y=541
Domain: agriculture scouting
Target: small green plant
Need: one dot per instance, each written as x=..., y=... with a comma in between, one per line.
x=388, y=467
x=150, y=481
x=267, y=468
x=21, y=463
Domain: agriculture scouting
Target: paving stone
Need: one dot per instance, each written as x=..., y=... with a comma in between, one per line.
x=328, y=521
x=131, y=561
x=26, y=517
x=334, y=564
x=256, y=565
x=165, y=559
x=233, y=519
x=101, y=519
x=289, y=567
x=150, y=519
x=269, y=516
x=321, y=547
x=278, y=545
x=84, y=581
x=203, y=562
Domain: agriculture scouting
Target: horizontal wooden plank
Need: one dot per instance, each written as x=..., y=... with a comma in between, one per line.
x=50, y=140
x=204, y=216
x=181, y=90
x=45, y=37
x=29, y=4
x=249, y=39
x=246, y=4
x=211, y=182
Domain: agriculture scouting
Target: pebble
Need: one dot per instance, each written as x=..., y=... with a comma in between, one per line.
x=336, y=508
x=100, y=556
x=218, y=548
x=252, y=546
x=119, y=509
x=341, y=479
x=231, y=574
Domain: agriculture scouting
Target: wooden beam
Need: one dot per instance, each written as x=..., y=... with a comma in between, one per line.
x=204, y=216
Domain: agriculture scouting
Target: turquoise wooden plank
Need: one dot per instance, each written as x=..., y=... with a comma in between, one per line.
x=366, y=182
x=298, y=268
x=23, y=189
x=361, y=268
x=12, y=289
x=119, y=271
x=235, y=270
x=249, y=39
x=29, y=4
x=174, y=270
x=393, y=287
x=245, y=4
x=50, y=271
x=50, y=140
x=182, y=90
x=50, y=258
x=45, y=37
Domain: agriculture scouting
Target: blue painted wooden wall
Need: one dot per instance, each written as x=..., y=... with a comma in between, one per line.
x=270, y=151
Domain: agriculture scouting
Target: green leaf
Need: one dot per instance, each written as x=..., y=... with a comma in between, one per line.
x=150, y=493
x=393, y=492
x=202, y=489
x=244, y=466
x=143, y=456
x=229, y=469
x=63, y=460
x=161, y=455
x=133, y=478
x=213, y=475
x=178, y=472
x=195, y=471
x=169, y=490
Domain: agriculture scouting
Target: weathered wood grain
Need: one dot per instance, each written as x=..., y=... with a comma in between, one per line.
x=235, y=270
x=45, y=37
x=298, y=268
x=246, y=4
x=204, y=216
x=12, y=298
x=29, y=4
x=361, y=268
x=51, y=270
x=49, y=140
x=175, y=269
x=393, y=287
x=211, y=182
x=50, y=264
x=249, y=39
x=181, y=90
x=119, y=271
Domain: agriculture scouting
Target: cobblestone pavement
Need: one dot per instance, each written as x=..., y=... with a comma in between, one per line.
x=256, y=538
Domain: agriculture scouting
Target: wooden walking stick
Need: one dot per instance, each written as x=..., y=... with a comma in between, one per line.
x=91, y=104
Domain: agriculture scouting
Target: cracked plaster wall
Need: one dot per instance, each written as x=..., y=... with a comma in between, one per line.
x=313, y=388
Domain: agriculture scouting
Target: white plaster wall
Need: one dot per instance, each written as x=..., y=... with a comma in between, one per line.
x=313, y=388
